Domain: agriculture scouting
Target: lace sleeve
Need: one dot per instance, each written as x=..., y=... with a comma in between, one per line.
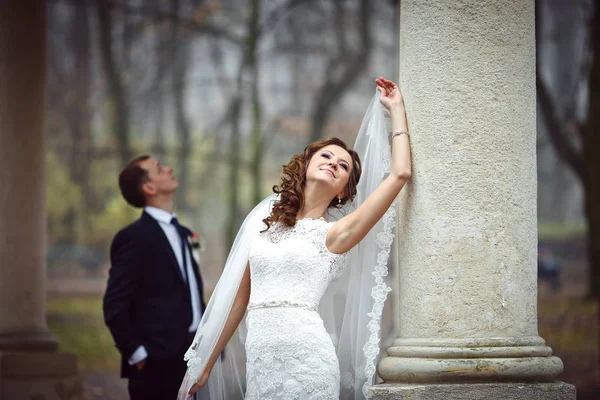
x=338, y=265
x=337, y=262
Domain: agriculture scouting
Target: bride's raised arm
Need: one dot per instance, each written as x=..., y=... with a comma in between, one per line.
x=351, y=229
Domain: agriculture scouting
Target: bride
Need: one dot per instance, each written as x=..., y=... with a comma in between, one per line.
x=307, y=271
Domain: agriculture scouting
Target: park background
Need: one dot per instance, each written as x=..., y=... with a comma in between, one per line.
x=225, y=92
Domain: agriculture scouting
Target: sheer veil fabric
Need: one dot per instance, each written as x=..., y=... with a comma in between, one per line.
x=351, y=307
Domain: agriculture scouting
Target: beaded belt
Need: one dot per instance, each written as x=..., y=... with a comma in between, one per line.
x=281, y=303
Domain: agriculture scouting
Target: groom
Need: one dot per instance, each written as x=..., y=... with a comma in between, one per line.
x=154, y=299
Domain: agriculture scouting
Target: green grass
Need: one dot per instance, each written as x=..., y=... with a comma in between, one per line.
x=78, y=324
x=560, y=231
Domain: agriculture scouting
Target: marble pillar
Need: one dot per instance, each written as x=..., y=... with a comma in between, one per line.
x=30, y=364
x=467, y=220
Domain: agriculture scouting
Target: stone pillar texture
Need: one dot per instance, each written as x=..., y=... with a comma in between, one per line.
x=468, y=224
x=30, y=366
x=22, y=207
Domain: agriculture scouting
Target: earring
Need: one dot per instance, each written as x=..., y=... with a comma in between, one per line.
x=339, y=200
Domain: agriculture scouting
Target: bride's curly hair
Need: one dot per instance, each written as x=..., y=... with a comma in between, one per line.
x=293, y=182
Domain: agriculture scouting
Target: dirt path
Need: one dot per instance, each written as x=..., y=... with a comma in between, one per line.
x=104, y=386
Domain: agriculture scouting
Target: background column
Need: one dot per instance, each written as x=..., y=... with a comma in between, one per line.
x=30, y=365
x=468, y=223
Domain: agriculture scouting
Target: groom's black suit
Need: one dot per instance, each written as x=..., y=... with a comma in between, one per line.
x=147, y=303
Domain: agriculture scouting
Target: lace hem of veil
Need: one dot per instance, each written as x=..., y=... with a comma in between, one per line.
x=380, y=291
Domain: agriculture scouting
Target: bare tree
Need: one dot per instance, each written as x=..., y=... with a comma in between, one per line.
x=180, y=56
x=248, y=71
x=117, y=87
x=591, y=161
x=80, y=115
x=257, y=136
x=344, y=66
x=161, y=49
x=69, y=96
x=580, y=158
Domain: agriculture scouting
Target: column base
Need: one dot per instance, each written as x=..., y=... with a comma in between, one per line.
x=423, y=370
x=475, y=391
x=525, y=359
x=39, y=375
x=28, y=341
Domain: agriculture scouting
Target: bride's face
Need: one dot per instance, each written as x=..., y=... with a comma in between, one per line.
x=331, y=166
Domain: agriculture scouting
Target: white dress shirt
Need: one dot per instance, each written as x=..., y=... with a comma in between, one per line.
x=164, y=220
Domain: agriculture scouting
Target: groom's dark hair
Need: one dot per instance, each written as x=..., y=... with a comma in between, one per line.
x=131, y=179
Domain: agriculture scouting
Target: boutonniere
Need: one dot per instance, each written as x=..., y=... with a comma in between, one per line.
x=197, y=242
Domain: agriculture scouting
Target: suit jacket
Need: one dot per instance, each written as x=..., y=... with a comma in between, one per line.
x=147, y=302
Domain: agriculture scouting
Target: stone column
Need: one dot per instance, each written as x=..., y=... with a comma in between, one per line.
x=467, y=219
x=30, y=365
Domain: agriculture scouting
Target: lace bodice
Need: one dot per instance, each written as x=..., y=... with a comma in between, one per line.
x=290, y=355
x=292, y=265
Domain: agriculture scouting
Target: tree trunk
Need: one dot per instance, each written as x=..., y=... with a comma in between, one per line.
x=591, y=149
x=257, y=140
x=80, y=114
x=234, y=170
x=343, y=68
x=248, y=63
x=116, y=85
x=161, y=49
x=583, y=162
x=180, y=59
x=184, y=145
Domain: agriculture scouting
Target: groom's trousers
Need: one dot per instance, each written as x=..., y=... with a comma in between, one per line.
x=158, y=379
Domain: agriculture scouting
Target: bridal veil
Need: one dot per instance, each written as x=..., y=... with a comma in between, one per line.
x=352, y=306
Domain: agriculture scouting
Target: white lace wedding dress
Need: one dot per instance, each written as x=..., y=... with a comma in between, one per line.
x=289, y=353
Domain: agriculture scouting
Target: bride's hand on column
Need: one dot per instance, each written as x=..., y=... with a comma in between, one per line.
x=390, y=97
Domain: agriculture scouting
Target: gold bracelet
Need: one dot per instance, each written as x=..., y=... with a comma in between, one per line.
x=398, y=133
